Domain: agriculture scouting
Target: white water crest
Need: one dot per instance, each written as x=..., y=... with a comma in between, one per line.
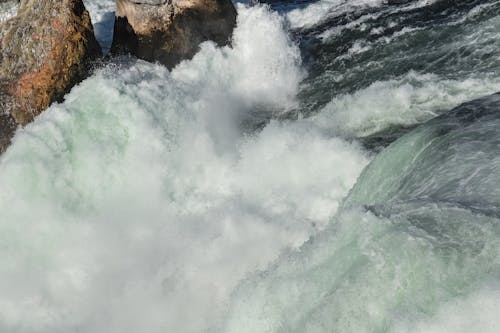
x=192, y=200
x=374, y=274
x=318, y=11
x=138, y=205
x=414, y=248
x=409, y=100
x=407, y=75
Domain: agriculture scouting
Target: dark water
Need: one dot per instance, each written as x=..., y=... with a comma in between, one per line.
x=351, y=48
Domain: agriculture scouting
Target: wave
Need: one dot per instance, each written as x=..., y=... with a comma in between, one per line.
x=140, y=202
x=407, y=101
x=416, y=239
x=233, y=193
x=399, y=66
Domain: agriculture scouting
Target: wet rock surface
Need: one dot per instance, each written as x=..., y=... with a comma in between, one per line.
x=169, y=31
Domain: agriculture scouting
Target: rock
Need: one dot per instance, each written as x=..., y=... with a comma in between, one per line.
x=169, y=31
x=44, y=51
x=8, y=8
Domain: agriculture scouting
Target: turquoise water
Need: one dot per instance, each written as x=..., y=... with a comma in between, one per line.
x=239, y=192
x=414, y=248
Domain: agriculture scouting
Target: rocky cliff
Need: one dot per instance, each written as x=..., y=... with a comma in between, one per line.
x=44, y=51
x=170, y=30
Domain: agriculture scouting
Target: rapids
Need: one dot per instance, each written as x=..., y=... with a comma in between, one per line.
x=309, y=178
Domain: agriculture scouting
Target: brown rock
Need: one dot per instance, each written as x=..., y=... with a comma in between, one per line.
x=45, y=50
x=169, y=31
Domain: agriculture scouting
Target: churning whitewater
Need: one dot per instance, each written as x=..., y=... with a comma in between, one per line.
x=321, y=174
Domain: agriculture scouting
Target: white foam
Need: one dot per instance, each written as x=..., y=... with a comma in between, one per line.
x=359, y=23
x=137, y=205
x=409, y=100
x=366, y=273
x=321, y=10
x=318, y=11
x=477, y=312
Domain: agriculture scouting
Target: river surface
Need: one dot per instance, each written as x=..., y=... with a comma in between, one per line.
x=336, y=169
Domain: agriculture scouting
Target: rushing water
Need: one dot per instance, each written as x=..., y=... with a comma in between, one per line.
x=251, y=189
